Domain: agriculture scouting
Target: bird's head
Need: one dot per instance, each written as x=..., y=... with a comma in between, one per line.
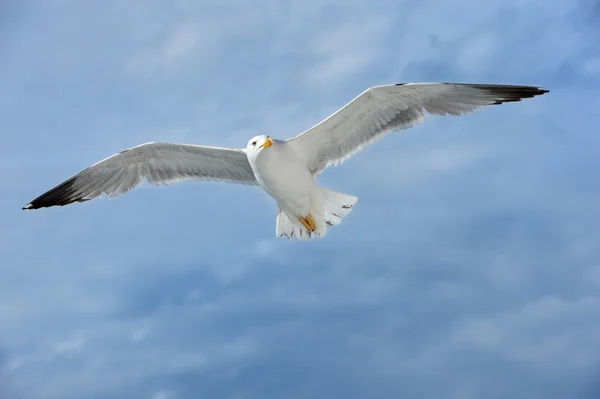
x=257, y=144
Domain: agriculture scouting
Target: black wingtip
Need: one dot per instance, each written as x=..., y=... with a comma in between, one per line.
x=61, y=195
x=510, y=93
x=507, y=93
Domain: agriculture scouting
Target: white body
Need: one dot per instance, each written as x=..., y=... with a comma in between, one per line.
x=294, y=189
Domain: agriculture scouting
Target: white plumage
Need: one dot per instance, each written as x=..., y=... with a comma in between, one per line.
x=286, y=168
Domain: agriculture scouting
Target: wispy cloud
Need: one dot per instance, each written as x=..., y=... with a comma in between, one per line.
x=180, y=44
x=342, y=51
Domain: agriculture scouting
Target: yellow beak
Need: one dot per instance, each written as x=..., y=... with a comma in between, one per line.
x=268, y=142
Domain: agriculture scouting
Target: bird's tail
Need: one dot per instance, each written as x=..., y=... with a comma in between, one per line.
x=336, y=206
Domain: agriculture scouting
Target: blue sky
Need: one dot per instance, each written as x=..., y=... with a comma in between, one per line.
x=469, y=268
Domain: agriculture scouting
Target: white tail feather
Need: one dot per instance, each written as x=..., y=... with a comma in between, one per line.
x=336, y=206
x=286, y=228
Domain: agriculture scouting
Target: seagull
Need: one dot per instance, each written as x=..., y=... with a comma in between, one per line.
x=286, y=169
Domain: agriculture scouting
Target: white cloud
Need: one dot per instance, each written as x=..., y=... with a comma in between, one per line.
x=163, y=395
x=344, y=50
x=591, y=67
x=538, y=333
x=477, y=53
x=139, y=335
x=186, y=362
x=69, y=346
x=183, y=42
x=40, y=357
x=194, y=295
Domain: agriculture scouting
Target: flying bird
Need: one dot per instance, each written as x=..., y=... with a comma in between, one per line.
x=286, y=169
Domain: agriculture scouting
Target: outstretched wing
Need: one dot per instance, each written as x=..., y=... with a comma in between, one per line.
x=383, y=109
x=157, y=163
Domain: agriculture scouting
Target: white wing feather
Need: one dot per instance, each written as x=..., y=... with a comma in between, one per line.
x=381, y=110
x=157, y=163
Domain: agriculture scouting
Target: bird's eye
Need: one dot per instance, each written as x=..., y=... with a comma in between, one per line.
x=254, y=143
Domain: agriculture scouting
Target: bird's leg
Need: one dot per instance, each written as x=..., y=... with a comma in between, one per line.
x=308, y=222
